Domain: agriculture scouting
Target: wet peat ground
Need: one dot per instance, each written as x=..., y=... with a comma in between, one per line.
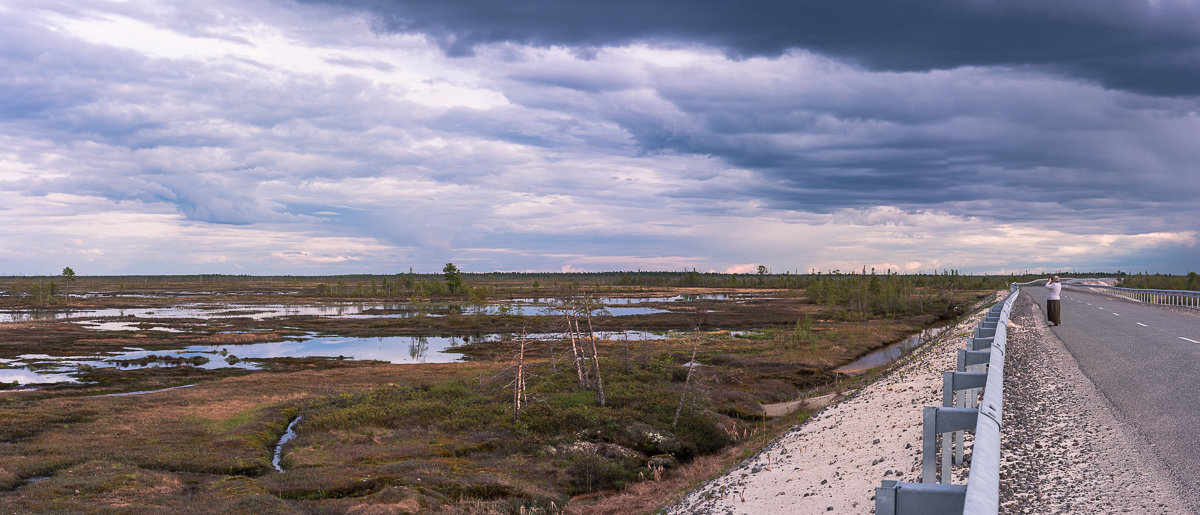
x=382, y=437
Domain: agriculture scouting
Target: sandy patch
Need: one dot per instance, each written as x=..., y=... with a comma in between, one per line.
x=812, y=404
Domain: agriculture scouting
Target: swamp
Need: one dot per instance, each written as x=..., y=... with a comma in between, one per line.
x=465, y=393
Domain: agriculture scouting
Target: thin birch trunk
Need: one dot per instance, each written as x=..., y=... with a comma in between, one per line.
x=517, y=398
x=519, y=380
x=574, y=349
x=687, y=383
x=595, y=358
x=587, y=370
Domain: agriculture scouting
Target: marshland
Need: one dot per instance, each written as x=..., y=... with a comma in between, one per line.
x=502, y=393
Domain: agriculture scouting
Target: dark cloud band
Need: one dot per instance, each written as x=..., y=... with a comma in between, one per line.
x=1148, y=47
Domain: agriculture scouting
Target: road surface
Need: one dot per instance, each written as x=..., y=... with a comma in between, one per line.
x=1146, y=361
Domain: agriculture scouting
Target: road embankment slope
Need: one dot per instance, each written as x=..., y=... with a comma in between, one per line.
x=1064, y=450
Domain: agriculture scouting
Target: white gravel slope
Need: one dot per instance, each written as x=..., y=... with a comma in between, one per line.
x=833, y=462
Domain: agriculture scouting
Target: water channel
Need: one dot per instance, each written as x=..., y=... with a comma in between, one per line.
x=890, y=353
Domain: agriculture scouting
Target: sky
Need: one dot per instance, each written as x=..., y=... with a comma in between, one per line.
x=374, y=136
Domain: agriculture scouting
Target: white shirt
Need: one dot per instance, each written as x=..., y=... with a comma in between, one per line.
x=1055, y=290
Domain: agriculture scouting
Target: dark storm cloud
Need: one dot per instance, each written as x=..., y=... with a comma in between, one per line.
x=543, y=135
x=1149, y=47
x=824, y=136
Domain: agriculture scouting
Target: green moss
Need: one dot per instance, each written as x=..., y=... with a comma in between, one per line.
x=571, y=399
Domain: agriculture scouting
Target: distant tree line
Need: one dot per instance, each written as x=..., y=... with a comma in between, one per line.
x=1144, y=281
x=867, y=290
x=449, y=283
x=43, y=290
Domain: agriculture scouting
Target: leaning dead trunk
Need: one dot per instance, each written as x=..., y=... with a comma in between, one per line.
x=575, y=349
x=595, y=358
x=519, y=380
x=687, y=382
x=587, y=370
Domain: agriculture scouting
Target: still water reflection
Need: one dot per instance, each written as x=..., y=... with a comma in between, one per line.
x=41, y=368
x=522, y=307
x=890, y=353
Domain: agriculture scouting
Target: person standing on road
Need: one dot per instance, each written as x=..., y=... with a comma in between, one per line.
x=1053, y=303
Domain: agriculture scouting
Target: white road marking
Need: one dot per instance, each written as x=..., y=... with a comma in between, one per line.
x=1143, y=325
x=1117, y=314
x=1188, y=339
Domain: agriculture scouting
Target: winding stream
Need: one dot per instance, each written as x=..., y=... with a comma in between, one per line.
x=890, y=353
x=287, y=437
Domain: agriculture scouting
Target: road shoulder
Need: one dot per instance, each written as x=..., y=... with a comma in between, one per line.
x=1064, y=449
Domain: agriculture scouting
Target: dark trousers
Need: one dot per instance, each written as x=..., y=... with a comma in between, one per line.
x=1054, y=311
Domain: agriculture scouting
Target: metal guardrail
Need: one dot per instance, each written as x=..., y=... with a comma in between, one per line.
x=961, y=410
x=960, y=393
x=1182, y=298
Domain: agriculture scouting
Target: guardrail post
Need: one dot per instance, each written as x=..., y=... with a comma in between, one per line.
x=959, y=437
x=969, y=383
x=938, y=421
x=885, y=498
x=929, y=445
x=967, y=358
x=950, y=442
x=900, y=498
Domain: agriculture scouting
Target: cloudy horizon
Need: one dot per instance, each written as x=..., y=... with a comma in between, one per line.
x=371, y=136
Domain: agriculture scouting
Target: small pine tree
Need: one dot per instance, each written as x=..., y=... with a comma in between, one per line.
x=453, y=277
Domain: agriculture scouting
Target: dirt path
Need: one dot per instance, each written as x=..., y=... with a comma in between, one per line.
x=814, y=403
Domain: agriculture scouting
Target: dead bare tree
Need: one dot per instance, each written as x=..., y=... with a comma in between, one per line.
x=687, y=383
x=595, y=353
x=587, y=370
x=519, y=380
x=519, y=376
x=566, y=312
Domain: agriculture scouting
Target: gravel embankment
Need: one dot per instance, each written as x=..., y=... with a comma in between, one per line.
x=833, y=462
x=1064, y=452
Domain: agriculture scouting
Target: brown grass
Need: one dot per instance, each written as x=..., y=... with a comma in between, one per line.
x=650, y=496
x=208, y=448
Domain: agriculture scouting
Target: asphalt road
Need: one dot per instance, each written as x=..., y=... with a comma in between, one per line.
x=1146, y=361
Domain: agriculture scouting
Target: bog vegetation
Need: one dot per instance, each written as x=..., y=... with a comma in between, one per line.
x=571, y=423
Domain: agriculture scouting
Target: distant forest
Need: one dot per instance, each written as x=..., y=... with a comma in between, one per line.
x=860, y=293
x=645, y=279
x=561, y=281
x=1191, y=282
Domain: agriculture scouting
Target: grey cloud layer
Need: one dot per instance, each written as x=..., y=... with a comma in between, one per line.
x=824, y=136
x=642, y=155
x=1001, y=122
x=1149, y=47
